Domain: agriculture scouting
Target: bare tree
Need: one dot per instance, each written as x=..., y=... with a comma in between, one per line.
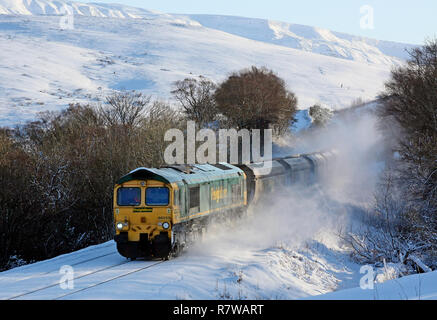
x=197, y=100
x=404, y=228
x=159, y=118
x=125, y=108
x=57, y=173
x=410, y=101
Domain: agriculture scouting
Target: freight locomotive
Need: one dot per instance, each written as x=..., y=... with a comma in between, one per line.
x=158, y=211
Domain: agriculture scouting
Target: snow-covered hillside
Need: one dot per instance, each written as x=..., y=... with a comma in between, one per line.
x=307, y=38
x=296, y=36
x=44, y=66
x=60, y=7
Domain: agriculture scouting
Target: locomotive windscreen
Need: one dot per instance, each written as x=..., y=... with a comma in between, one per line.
x=129, y=196
x=157, y=196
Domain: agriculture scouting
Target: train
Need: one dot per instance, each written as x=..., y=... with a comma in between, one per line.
x=157, y=212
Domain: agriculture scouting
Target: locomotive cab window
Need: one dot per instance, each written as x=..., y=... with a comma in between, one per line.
x=194, y=197
x=129, y=196
x=157, y=196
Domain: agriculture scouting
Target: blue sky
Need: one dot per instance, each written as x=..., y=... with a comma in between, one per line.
x=397, y=20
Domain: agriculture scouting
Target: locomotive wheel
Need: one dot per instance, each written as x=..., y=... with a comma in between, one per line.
x=177, y=250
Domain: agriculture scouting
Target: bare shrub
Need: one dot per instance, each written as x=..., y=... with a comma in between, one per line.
x=197, y=99
x=58, y=173
x=386, y=234
x=409, y=103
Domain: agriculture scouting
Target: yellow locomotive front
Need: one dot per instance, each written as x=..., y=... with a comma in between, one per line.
x=143, y=218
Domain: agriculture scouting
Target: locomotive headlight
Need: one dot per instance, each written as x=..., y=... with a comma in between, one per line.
x=166, y=225
x=122, y=226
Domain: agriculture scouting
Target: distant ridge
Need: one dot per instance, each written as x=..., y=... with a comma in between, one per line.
x=307, y=38
x=60, y=7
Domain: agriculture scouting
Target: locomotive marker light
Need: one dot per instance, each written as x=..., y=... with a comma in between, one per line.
x=166, y=225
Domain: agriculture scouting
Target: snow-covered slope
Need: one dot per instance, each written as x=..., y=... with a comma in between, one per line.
x=44, y=66
x=307, y=38
x=60, y=7
x=296, y=36
x=414, y=287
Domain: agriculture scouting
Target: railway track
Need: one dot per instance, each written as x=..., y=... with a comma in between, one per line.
x=86, y=274
x=39, y=275
x=109, y=280
x=53, y=285
x=71, y=262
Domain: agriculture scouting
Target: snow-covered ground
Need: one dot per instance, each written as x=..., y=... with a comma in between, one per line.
x=280, y=272
x=414, y=287
x=254, y=259
x=276, y=273
x=46, y=66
